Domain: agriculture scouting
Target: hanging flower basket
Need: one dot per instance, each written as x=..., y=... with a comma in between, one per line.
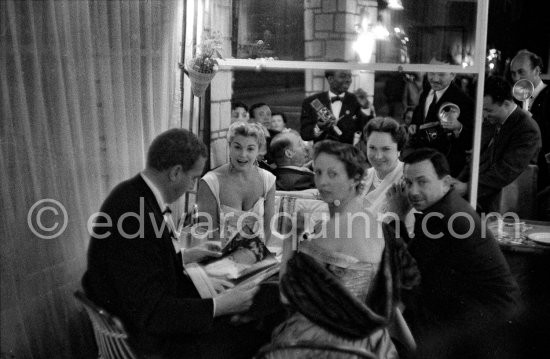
x=202, y=68
x=199, y=80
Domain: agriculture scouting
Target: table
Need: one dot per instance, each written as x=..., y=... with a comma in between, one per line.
x=525, y=245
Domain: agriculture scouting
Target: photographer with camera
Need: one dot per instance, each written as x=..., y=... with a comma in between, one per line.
x=336, y=114
x=451, y=133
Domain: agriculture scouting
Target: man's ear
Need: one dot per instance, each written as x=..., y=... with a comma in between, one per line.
x=174, y=171
x=448, y=180
x=289, y=153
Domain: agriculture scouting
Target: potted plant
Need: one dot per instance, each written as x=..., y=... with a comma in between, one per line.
x=202, y=68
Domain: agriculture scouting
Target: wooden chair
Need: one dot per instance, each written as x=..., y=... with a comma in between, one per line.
x=313, y=350
x=110, y=335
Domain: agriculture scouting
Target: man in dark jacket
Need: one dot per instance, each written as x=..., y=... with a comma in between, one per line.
x=527, y=65
x=452, y=136
x=510, y=141
x=135, y=270
x=289, y=153
x=348, y=112
x=467, y=293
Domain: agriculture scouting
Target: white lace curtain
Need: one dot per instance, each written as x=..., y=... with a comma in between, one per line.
x=85, y=86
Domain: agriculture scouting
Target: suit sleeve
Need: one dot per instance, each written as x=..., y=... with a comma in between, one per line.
x=149, y=300
x=466, y=118
x=418, y=112
x=523, y=145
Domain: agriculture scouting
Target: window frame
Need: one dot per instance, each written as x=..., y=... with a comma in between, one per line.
x=478, y=69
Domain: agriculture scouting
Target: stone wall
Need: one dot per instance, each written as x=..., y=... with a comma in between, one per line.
x=329, y=31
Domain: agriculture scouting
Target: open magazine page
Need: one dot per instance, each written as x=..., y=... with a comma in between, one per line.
x=245, y=262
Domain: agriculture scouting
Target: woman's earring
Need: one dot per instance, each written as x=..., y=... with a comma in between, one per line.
x=256, y=163
x=231, y=167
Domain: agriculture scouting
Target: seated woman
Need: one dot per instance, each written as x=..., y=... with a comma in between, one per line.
x=239, y=196
x=385, y=139
x=339, y=284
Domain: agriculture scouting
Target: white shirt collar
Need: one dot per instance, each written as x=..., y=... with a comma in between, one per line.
x=167, y=217
x=155, y=190
x=439, y=93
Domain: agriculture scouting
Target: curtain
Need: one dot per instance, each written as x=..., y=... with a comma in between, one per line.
x=84, y=88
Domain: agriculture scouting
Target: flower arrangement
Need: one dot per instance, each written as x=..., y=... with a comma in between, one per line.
x=202, y=68
x=206, y=53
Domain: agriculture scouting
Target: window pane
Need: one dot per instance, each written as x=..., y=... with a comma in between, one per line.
x=356, y=31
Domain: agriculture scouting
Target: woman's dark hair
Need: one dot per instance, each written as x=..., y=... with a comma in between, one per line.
x=283, y=116
x=175, y=147
x=388, y=125
x=354, y=160
x=438, y=160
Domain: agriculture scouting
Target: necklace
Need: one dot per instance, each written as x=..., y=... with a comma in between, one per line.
x=376, y=181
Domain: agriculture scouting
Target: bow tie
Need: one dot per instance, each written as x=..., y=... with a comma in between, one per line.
x=336, y=98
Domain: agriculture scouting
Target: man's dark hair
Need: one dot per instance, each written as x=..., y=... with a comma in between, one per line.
x=255, y=106
x=283, y=116
x=175, y=147
x=397, y=132
x=498, y=88
x=280, y=143
x=332, y=71
x=237, y=104
x=437, y=159
x=535, y=59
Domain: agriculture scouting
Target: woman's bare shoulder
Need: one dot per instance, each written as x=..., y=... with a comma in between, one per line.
x=221, y=171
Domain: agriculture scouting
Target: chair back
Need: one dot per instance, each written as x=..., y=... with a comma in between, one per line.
x=520, y=195
x=313, y=350
x=110, y=335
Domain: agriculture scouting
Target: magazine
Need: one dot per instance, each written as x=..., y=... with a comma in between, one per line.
x=245, y=262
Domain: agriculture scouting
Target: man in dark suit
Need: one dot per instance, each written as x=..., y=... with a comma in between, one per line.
x=348, y=112
x=289, y=153
x=527, y=65
x=136, y=272
x=452, y=137
x=467, y=293
x=510, y=141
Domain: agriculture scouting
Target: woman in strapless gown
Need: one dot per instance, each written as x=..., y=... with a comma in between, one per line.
x=339, y=285
x=239, y=196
